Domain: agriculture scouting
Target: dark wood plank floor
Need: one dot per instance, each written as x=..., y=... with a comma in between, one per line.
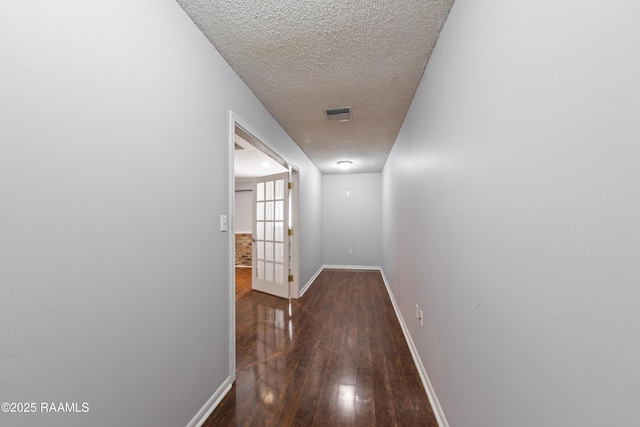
x=339, y=359
x=243, y=281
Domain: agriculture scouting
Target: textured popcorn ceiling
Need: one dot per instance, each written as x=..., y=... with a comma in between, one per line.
x=300, y=57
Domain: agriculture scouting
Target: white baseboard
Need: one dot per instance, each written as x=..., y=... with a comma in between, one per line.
x=211, y=404
x=431, y=394
x=306, y=286
x=353, y=267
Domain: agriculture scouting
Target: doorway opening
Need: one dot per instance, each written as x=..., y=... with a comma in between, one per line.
x=264, y=212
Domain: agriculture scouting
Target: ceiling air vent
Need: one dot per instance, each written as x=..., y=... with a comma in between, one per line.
x=340, y=114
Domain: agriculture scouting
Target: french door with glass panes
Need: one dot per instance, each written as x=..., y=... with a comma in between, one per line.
x=270, y=260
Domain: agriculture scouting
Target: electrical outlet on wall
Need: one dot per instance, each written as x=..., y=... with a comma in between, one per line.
x=350, y=251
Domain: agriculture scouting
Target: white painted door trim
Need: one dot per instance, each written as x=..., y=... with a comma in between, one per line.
x=234, y=120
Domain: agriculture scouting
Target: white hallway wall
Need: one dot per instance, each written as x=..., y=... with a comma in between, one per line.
x=114, y=287
x=243, y=209
x=352, y=221
x=512, y=214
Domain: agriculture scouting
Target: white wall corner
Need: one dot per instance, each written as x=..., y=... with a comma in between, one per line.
x=308, y=284
x=211, y=404
x=431, y=393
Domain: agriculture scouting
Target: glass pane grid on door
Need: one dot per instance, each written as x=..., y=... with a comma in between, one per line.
x=270, y=247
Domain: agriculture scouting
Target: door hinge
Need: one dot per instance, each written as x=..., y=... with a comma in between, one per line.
x=291, y=186
x=290, y=232
x=290, y=278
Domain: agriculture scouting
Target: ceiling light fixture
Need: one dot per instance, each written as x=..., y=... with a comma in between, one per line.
x=344, y=164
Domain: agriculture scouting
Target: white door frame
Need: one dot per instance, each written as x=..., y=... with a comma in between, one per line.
x=235, y=120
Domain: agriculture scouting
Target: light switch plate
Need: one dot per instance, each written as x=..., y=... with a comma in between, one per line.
x=223, y=223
